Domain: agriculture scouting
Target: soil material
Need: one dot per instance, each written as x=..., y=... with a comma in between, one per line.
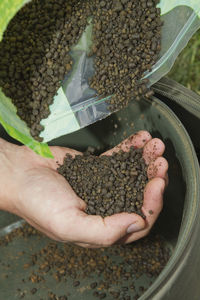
x=35, y=52
x=108, y=184
x=110, y=273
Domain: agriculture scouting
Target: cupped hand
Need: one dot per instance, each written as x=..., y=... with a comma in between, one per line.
x=32, y=188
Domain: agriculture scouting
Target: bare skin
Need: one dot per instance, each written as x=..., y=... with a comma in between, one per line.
x=31, y=188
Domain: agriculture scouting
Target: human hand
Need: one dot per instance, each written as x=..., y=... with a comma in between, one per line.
x=32, y=189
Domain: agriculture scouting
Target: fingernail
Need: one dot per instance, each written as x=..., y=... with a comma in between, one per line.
x=134, y=228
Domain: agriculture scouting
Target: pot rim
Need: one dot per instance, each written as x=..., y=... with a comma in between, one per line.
x=190, y=215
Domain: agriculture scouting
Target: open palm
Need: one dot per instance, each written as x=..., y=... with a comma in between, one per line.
x=44, y=198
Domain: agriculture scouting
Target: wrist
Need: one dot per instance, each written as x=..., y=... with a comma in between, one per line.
x=5, y=177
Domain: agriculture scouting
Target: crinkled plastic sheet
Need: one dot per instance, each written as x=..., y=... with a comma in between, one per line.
x=84, y=106
x=76, y=105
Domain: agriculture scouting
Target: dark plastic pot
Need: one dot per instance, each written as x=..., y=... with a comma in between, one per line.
x=179, y=222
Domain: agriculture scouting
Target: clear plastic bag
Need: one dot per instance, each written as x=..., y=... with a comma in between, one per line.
x=75, y=105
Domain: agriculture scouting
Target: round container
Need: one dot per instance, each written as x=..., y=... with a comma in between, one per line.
x=179, y=222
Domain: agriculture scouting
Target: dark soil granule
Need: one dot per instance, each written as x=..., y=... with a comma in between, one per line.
x=93, y=285
x=33, y=291
x=76, y=283
x=108, y=184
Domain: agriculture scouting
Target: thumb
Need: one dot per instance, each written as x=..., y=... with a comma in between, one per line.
x=102, y=232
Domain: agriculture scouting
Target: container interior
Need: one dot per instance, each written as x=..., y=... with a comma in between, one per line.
x=144, y=115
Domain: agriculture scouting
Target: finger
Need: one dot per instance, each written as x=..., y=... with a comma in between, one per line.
x=153, y=149
x=158, y=168
x=153, y=200
x=59, y=154
x=137, y=140
x=94, y=230
x=152, y=206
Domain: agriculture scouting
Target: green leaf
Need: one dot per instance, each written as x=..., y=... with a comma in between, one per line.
x=8, y=8
x=17, y=128
x=39, y=148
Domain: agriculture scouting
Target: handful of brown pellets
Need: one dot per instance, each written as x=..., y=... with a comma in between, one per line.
x=108, y=184
x=35, y=52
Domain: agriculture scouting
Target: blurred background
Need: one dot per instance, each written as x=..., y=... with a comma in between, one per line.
x=186, y=70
